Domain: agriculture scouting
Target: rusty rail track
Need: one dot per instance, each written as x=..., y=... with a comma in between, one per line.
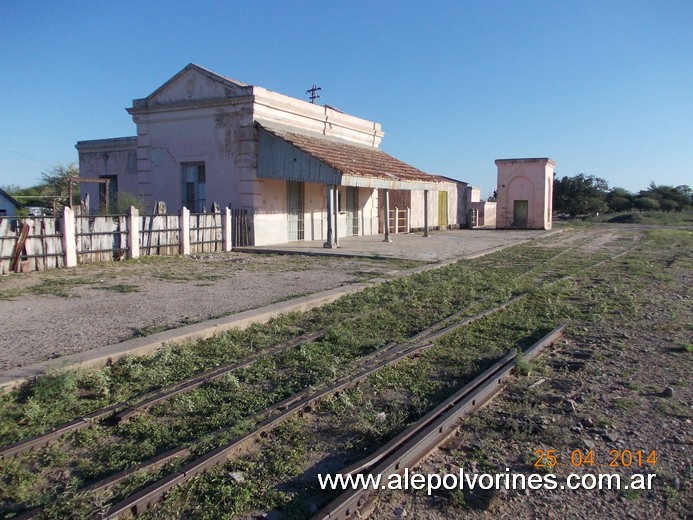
x=127, y=409
x=387, y=356
x=417, y=441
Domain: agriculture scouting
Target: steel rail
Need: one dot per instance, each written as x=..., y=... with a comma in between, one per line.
x=298, y=403
x=387, y=356
x=129, y=408
x=414, y=443
x=82, y=422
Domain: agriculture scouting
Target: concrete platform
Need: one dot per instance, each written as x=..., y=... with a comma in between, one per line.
x=440, y=246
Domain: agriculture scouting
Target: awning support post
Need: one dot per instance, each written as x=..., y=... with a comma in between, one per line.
x=387, y=216
x=425, y=213
x=336, y=215
x=329, y=190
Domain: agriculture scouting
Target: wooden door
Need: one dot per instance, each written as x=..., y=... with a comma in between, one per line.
x=520, y=213
x=442, y=209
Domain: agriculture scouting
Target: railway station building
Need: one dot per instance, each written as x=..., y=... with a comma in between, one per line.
x=300, y=171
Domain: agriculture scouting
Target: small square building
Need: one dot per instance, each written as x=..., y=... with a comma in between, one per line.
x=524, y=193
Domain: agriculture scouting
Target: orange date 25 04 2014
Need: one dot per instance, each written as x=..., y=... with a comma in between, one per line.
x=617, y=458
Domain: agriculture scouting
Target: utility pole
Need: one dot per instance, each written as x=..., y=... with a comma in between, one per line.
x=313, y=91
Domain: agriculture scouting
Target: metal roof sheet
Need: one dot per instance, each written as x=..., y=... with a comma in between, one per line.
x=352, y=159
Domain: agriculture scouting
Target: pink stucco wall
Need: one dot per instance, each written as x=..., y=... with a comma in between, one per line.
x=528, y=180
x=200, y=117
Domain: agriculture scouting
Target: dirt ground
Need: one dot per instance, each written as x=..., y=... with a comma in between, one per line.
x=619, y=389
x=59, y=312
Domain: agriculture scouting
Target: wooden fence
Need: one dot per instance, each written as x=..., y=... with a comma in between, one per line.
x=100, y=238
x=39, y=243
x=39, y=247
x=159, y=235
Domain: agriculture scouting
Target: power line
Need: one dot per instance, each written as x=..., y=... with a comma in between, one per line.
x=26, y=156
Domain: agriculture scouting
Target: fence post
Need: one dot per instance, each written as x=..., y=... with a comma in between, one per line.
x=69, y=242
x=184, y=225
x=396, y=220
x=133, y=233
x=408, y=220
x=226, y=244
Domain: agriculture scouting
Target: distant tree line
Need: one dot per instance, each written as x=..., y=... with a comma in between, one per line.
x=587, y=194
x=52, y=192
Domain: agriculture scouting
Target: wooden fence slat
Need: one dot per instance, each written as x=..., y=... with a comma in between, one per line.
x=30, y=245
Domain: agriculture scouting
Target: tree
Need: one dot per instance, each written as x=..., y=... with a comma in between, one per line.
x=52, y=191
x=620, y=204
x=669, y=205
x=669, y=197
x=581, y=194
x=646, y=203
x=55, y=184
x=619, y=199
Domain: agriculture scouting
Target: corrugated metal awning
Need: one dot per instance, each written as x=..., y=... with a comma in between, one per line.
x=286, y=154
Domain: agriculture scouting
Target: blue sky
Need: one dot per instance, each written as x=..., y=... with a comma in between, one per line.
x=604, y=88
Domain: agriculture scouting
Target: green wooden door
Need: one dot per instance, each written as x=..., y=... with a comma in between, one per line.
x=443, y=209
x=520, y=212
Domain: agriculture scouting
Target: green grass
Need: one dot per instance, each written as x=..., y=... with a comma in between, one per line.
x=672, y=218
x=363, y=417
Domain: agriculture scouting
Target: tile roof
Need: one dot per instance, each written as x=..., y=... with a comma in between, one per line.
x=352, y=159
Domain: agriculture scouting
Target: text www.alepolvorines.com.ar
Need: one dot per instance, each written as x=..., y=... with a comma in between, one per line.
x=465, y=480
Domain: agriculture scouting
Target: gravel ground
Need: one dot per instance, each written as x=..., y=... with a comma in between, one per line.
x=59, y=312
x=619, y=385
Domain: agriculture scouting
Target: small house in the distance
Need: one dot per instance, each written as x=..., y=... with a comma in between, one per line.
x=525, y=193
x=299, y=170
x=8, y=204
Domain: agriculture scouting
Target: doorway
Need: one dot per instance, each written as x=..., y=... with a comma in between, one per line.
x=352, y=210
x=295, y=210
x=520, y=212
x=442, y=209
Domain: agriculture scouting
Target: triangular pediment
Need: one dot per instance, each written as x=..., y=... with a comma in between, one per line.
x=195, y=83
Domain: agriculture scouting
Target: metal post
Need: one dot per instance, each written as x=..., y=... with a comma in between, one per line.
x=328, y=197
x=425, y=213
x=336, y=215
x=387, y=216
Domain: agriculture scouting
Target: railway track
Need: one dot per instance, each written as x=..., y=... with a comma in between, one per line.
x=422, y=437
x=388, y=356
x=266, y=419
x=128, y=409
